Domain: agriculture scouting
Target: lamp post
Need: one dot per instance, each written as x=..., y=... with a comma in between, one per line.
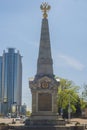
x=69, y=110
x=69, y=107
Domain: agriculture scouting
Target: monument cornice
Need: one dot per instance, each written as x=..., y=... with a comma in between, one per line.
x=44, y=83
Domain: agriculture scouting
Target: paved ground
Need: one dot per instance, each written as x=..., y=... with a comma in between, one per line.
x=81, y=121
x=73, y=121
x=5, y=120
x=9, y=121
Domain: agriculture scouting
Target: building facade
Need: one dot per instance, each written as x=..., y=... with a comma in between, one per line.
x=11, y=80
x=23, y=109
x=0, y=82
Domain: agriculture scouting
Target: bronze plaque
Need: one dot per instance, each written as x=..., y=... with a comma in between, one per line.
x=44, y=102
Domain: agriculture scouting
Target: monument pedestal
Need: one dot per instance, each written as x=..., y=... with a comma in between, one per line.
x=44, y=102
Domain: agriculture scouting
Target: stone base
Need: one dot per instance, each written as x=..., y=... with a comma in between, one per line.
x=44, y=117
x=48, y=122
x=29, y=122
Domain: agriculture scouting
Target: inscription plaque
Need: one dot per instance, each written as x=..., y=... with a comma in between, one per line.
x=44, y=102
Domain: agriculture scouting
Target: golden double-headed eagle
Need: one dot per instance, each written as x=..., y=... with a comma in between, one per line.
x=45, y=8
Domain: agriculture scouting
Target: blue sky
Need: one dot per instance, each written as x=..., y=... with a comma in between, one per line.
x=20, y=26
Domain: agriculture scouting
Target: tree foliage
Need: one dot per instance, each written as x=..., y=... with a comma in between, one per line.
x=83, y=97
x=28, y=113
x=68, y=97
x=84, y=92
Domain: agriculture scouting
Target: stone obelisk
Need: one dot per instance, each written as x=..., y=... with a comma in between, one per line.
x=45, y=62
x=44, y=87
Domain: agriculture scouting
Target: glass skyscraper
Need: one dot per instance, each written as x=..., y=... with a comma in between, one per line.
x=0, y=82
x=11, y=80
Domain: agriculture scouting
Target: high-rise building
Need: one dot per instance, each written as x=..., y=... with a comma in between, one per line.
x=0, y=82
x=11, y=80
x=23, y=109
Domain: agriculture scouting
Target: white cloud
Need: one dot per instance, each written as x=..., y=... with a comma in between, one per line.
x=70, y=61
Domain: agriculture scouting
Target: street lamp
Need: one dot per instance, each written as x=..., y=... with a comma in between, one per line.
x=69, y=107
x=69, y=110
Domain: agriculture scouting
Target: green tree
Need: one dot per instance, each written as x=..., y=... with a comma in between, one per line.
x=83, y=97
x=84, y=92
x=68, y=97
x=28, y=113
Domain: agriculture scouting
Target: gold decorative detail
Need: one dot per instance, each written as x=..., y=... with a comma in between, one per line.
x=45, y=8
x=44, y=84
